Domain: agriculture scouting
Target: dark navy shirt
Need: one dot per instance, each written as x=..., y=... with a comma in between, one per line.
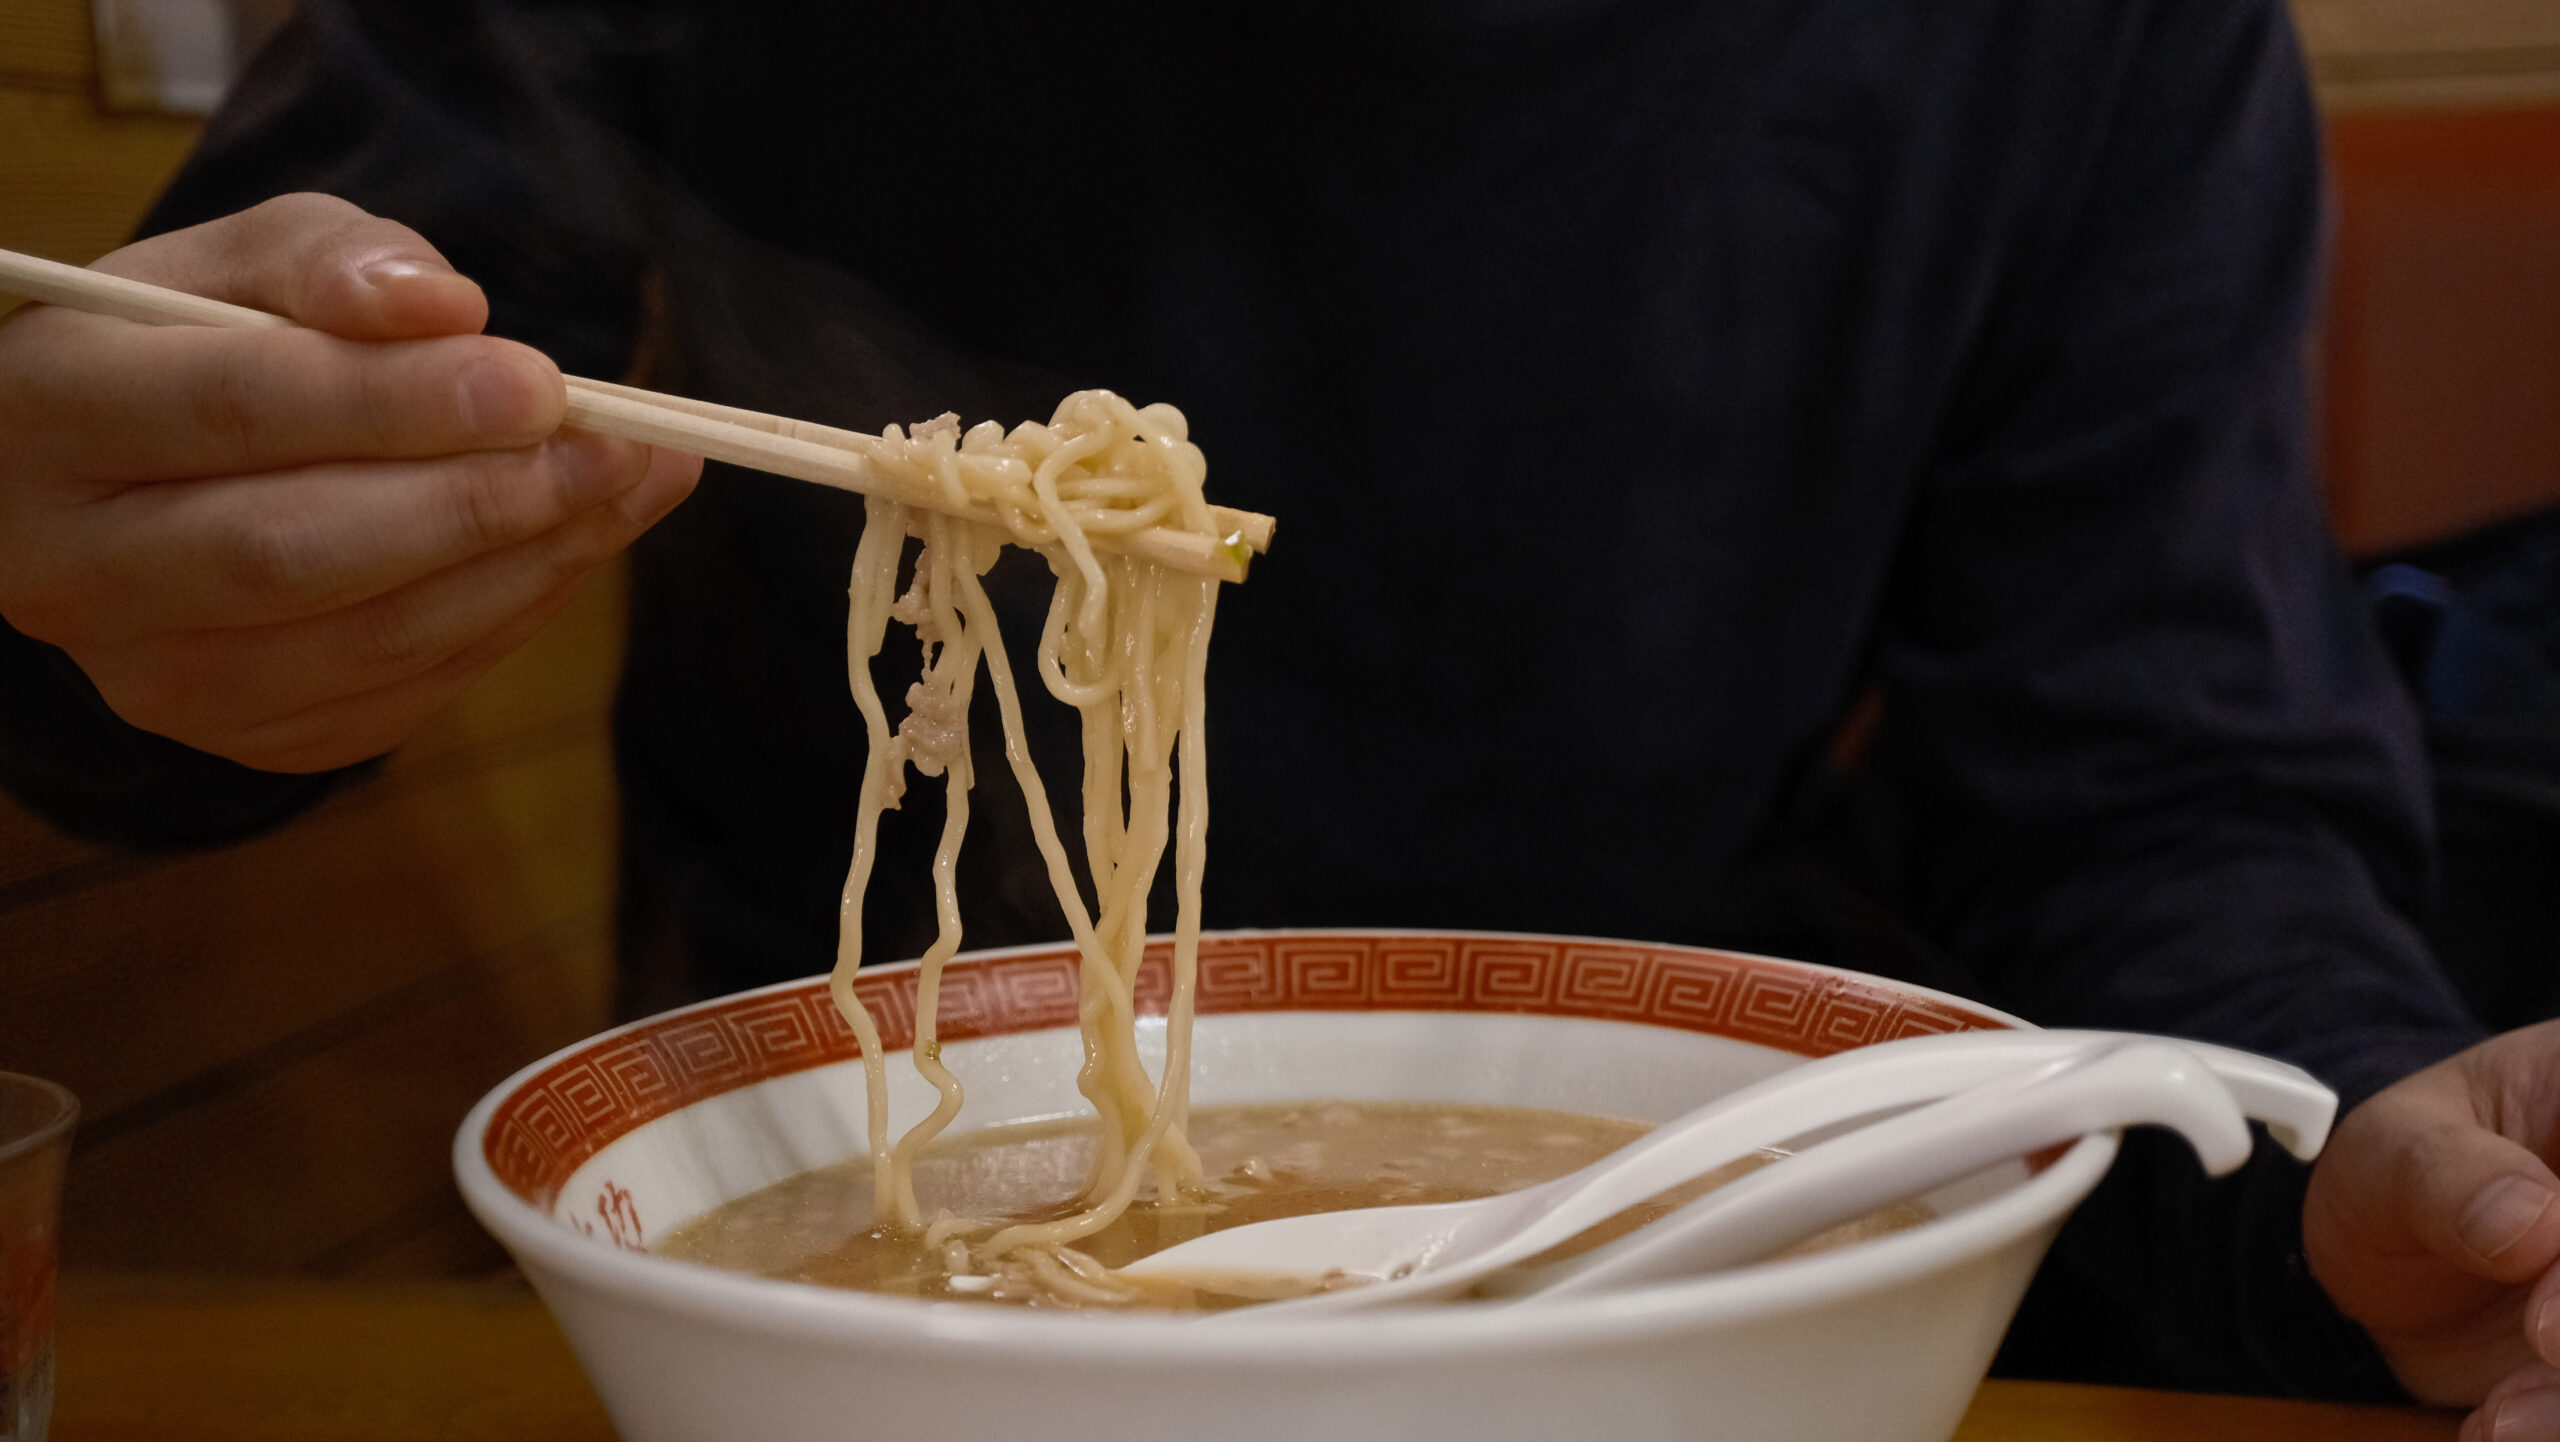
x=1647, y=390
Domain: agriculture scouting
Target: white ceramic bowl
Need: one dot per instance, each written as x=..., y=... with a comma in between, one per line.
x=579, y=1160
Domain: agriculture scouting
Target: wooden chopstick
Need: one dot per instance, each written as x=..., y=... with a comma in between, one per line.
x=802, y=450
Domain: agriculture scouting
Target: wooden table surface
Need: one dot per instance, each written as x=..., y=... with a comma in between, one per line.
x=168, y=1360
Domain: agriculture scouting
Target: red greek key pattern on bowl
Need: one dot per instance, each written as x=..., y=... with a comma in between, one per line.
x=541, y=1133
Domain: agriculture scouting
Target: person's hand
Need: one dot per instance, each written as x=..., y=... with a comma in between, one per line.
x=288, y=547
x=2431, y=1220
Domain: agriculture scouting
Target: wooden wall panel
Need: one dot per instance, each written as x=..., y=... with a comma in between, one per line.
x=2440, y=358
x=2441, y=352
x=208, y=957
x=47, y=43
x=2431, y=53
x=73, y=181
x=338, y=1158
x=34, y=856
x=275, y=1040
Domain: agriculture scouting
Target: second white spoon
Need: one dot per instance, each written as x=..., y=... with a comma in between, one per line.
x=1395, y=1243
x=2106, y=1089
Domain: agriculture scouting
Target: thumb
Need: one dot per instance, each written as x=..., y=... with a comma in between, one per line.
x=2419, y=1169
x=2489, y=1207
x=317, y=260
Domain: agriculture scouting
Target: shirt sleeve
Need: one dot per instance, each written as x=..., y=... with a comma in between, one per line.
x=2151, y=768
x=480, y=126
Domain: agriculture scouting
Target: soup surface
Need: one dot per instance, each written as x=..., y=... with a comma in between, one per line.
x=1260, y=1162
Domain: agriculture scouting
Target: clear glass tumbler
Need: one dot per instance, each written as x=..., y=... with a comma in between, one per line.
x=35, y=1142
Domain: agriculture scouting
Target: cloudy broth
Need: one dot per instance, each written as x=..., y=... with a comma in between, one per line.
x=1259, y=1162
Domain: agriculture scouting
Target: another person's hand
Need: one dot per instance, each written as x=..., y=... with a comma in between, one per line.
x=2432, y=1221
x=288, y=547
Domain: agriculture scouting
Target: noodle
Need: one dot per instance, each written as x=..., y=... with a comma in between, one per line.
x=1126, y=643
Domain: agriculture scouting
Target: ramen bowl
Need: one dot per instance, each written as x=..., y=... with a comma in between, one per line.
x=581, y=1161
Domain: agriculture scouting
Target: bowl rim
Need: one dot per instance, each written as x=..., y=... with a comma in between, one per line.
x=897, y=1324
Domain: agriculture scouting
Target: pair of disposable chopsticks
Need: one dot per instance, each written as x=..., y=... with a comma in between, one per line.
x=803, y=450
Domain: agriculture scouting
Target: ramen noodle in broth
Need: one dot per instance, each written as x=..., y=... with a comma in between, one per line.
x=1126, y=644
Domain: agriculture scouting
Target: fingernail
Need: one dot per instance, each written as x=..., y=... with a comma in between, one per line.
x=2527, y=1417
x=379, y=272
x=591, y=467
x=664, y=486
x=490, y=393
x=2502, y=1214
x=2544, y=1328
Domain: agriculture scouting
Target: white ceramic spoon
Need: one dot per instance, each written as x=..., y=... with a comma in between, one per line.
x=2105, y=1089
x=1398, y=1242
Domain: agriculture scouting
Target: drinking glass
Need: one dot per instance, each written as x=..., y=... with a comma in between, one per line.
x=35, y=1141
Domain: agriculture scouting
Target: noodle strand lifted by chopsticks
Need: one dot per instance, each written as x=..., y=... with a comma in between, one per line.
x=1126, y=643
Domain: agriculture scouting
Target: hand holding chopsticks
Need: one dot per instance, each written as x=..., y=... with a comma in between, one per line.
x=287, y=547
x=803, y=450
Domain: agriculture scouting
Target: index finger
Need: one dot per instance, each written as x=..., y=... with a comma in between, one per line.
x=109, y=403
x=317, y=260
